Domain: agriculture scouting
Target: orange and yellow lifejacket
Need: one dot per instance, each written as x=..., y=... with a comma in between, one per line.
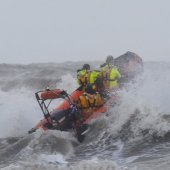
x=85, y=77
x=110, y=76
x=90, y=101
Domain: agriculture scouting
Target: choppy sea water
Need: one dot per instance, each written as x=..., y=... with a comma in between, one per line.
x=135, y=135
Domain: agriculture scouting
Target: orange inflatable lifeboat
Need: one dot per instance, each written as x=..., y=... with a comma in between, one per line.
x=67, y=115
x=44, y=99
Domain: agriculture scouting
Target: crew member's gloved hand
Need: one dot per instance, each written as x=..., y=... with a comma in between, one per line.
x=73, y=109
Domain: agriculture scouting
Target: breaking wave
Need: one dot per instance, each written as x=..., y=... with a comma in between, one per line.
x=144, y=110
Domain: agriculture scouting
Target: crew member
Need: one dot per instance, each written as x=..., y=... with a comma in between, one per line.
x=91, y=99
x=110, y=74
x=89, y=80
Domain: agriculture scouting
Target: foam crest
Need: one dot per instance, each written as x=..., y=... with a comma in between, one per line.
x=143, y=106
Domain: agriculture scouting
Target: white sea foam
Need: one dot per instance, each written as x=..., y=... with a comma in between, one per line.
x=144, y=104
x=19, y=111
x=93, y=164
x=68, y=83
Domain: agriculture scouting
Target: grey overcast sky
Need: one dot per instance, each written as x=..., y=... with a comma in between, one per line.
x=73, y=30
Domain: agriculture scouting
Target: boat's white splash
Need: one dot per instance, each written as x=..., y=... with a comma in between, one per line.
x=68, y=83
x=144, y=105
